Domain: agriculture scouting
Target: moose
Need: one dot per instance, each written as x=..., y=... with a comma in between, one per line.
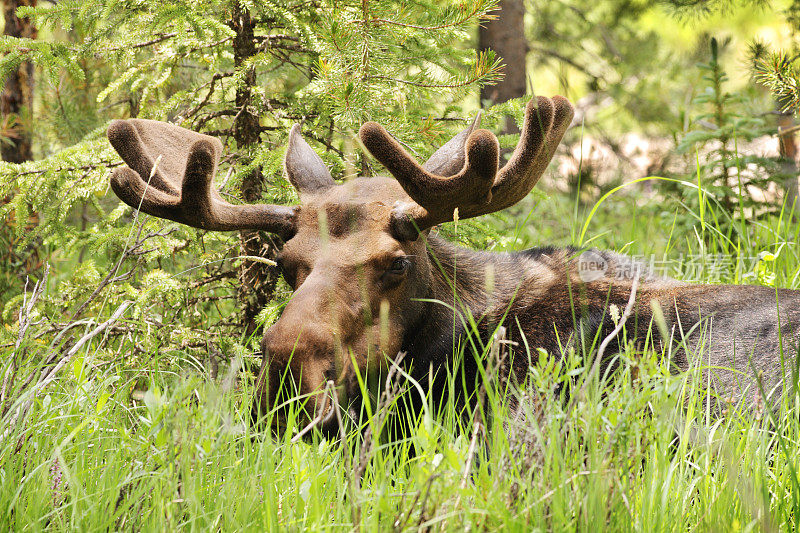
x=371, y=279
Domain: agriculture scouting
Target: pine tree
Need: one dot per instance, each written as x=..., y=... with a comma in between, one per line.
x=16, y=106
x=722, y=122
x=502, y=36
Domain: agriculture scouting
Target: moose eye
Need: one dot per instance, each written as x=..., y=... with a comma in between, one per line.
x=399, y=265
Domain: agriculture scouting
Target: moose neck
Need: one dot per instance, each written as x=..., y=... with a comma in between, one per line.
x=469, y=280
x=465, y=286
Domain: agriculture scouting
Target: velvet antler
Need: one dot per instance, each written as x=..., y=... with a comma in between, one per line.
x=478, y=187
x=181, y=187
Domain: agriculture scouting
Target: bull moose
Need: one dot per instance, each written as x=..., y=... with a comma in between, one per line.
x=370, y=279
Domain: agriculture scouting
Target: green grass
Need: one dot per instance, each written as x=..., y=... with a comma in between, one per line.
x=635, y=451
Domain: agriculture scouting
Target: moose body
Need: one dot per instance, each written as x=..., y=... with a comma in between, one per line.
x=371, y=279
x=730, y=331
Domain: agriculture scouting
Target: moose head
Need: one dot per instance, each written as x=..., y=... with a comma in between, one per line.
x=356, y=253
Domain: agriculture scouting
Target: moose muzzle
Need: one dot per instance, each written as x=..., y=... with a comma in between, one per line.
x=304, y=350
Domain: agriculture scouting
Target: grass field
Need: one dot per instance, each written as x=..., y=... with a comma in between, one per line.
x=156, y=444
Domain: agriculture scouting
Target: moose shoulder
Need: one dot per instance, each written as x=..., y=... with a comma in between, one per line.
x=371, y=280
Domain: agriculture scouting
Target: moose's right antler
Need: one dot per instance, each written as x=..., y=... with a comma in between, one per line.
x=181, y=187
x=478, y=186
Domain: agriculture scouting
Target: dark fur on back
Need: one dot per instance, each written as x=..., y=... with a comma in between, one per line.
x=539, y=294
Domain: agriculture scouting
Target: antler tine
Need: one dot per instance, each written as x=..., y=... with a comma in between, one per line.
x=473, y=183
x=544, y=126
x=478, y=188
x=180, y=188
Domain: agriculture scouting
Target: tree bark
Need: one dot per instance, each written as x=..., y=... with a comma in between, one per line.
x=788, y=152
x=16, y=105
x=16, y=100
x=256, y=280
x=506, y=36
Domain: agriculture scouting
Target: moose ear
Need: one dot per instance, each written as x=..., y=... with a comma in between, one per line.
x=304, y=168
x=449, y=159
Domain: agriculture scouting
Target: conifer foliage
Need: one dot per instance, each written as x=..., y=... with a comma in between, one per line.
x=244, y=71
x=738, y=180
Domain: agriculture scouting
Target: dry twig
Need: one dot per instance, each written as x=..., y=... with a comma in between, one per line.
x=611, y=336
x=48, y=374
x=324, y=413
x=24, y=323
x=602, y=349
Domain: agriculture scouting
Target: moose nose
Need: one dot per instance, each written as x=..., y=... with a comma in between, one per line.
x=302, y=348
x=289, y=343
x=299, y=359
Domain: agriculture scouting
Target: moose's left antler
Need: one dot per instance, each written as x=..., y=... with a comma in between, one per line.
x=478, y=187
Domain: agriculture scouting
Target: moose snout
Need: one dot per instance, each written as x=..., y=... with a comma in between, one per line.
x=298, y=362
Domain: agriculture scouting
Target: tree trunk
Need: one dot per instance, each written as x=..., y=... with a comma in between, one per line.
x=506, y=36
x=16, y=100
x=16, y=105
x=256, y=280
x=788, y=153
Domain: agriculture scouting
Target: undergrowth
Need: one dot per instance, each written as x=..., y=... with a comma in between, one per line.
x=122, y=435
